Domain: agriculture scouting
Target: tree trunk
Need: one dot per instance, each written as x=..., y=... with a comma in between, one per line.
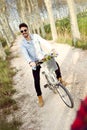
x=43, y=31
x=73, y=19
x=23, y=10
x=2, y=52
x=51, y=18
x=5, y=34
x=11, y=32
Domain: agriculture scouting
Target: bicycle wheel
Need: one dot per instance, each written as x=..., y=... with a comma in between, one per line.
x=65, y=95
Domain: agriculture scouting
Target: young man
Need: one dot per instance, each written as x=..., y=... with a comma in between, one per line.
x=32, y=50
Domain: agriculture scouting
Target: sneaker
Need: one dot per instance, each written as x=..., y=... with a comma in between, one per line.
x=40, y=101
x=62, y=81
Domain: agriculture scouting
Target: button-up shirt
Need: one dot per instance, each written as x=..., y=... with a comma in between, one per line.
x=32, y=49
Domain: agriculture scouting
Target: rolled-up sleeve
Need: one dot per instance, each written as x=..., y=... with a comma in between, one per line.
x=25, y=53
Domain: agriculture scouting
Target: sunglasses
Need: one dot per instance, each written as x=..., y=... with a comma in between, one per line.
x=25, y=30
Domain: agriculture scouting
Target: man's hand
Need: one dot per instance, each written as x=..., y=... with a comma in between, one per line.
x=32, y=64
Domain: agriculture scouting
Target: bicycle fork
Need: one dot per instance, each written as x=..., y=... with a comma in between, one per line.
x=51, y=80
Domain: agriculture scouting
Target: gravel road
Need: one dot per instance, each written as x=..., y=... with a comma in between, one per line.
x=55, y=115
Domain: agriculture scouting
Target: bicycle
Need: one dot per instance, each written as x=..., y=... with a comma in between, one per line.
x=50, y=66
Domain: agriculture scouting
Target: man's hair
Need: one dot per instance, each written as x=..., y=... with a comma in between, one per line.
x=23, y=25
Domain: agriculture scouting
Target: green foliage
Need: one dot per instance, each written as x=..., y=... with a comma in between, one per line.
x=48, y=36
x=82, y=22
x=64, y=31
x=63, y=25
x=6, y=90
x=47, y=28
x=13, y=125
x=6, y=74
x=3, y=41
x=7, y=104
x=7, y=51
x=6, y=101
x=81, y=44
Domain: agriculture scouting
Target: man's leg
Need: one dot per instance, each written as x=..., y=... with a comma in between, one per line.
x=36, y=75
x=58, y=73
x=59, y=77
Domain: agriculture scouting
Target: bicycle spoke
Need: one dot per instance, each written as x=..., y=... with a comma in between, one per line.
x=65, y=95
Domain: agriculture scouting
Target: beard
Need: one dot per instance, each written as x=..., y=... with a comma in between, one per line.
x=25, y=35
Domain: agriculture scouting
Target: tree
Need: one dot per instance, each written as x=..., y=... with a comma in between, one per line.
x=6, y=28
x=3, y=31
x=2, y=52
x=51, y=18
x=37, y=19
x=73, y=19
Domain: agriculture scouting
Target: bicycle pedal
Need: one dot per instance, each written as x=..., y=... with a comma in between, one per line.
x=46, y=85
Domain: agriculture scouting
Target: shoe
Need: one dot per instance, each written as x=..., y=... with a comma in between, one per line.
x=40, y=101
x=62, y=81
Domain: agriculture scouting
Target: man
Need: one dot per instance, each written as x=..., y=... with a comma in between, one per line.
x=32, y=50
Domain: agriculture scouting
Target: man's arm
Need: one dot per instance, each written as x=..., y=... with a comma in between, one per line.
x=26, y=55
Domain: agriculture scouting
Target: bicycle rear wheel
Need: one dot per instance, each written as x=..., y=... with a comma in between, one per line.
x=65, y=95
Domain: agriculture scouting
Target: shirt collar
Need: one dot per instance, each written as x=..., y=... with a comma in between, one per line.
x=31, y=36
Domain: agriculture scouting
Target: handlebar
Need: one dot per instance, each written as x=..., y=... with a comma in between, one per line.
x=46, y=58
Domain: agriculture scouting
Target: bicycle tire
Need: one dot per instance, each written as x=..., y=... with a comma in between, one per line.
x=65, y=95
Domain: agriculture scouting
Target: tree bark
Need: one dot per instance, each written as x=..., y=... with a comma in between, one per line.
x=11, y=32
x=2, y=52
x=73, y=19
x=51, y=18
x=5, y=34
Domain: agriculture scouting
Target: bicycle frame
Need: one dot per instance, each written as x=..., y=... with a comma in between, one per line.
x=49, y=69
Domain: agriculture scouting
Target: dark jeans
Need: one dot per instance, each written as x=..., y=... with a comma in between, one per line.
x=36, y=75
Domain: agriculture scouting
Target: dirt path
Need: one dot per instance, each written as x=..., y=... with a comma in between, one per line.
x=54, y=115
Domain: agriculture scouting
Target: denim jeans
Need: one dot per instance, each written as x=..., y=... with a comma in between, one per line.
x=36, y=75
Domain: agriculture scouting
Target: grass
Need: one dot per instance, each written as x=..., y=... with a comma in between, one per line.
x=3, y=41
x=6, y=89
x=7, y=103
x=4, y=125
x=64, y=31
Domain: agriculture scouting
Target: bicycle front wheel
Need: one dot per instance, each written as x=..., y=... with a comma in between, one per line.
x=65, y=95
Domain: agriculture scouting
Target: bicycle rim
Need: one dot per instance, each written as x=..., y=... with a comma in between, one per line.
x=65, y=95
